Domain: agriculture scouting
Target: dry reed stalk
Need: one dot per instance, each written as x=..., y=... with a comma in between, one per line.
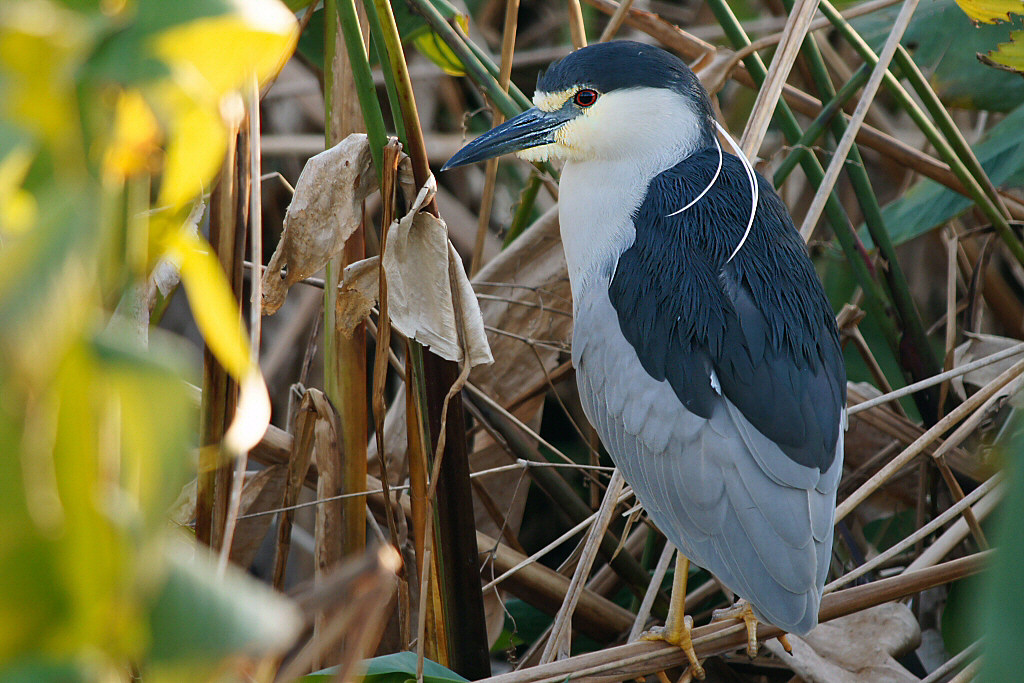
x=344, y=357
x=782, y=63
x=644, y=613
x=561, y=638
x=916, y=448
x=615, y=22
x=508, y=44
x=937, y=379
x=576, y=28
x=330, y=522
x=255, y=305
x=954, y=535
x=298, y=465
x=388, y=189
x=938, y=522
x=647, y=658
x=227, y=239
x=866, y=100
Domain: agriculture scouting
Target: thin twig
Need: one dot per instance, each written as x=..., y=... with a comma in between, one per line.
x=951, y=513
x=782, y=63
x=559, y=642
x=937, y=379
x=867, y=98
x=916, y=448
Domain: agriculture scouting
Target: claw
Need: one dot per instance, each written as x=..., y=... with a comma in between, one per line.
x=784, y=642
x=678, y=635
x=742, y=610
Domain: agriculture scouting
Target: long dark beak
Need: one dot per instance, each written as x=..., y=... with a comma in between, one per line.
x=532, y=128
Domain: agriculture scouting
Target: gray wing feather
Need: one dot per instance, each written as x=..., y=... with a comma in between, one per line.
x=722, y=492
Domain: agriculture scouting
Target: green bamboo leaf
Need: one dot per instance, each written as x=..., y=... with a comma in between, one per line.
x=199, y=617
x=928, y=205
x=395, y=668
x=945, y=43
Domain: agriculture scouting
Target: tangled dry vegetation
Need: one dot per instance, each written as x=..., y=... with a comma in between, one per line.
x=501, y=550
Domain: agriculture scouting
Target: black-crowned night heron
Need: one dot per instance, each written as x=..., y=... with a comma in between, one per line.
x=706, y=353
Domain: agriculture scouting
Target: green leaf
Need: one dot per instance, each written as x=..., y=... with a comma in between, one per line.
x=397, y=668
x=199, y=618
x=1001, y=604
x=45, y=671
x=945, y=44
x=928, y=205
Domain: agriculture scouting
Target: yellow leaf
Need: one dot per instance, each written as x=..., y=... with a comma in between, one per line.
x=211, y=59
x=991, y=11
x=252, y=416
x=41, y=47
x=213, y=305
x=221, y=54
x=1008, y=56
x=195, y=150
x=134, y=145
x=17, y=205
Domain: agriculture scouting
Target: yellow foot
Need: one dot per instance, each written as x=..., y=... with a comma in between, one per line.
x=678, y=635
x=742, y=610
x=784, y=642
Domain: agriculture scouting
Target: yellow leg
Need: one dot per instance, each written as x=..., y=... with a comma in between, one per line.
x=678, y=624
x=743, y=611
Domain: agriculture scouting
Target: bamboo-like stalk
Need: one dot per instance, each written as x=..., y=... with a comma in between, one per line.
x=975, y=184
x=918, y=358
x=348, y=95
x=876, y=299
x=455, y=549
x=228, y=209
x=508, y=43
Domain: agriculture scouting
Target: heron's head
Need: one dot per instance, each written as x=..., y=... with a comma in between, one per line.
x=608, y=101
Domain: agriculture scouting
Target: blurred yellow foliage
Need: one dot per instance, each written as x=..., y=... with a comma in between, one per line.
x=99, y=103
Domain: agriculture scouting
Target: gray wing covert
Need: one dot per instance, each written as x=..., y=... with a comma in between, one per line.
x=766, y=533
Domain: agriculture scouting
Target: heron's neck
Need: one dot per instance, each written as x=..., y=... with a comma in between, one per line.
x=596, y=203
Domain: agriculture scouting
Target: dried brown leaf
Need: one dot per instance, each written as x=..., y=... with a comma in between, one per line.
x=325, y=210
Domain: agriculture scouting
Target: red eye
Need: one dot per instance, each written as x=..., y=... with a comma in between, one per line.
x=584, y=98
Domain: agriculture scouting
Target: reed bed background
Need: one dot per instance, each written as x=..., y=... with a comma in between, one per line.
x=407, y=516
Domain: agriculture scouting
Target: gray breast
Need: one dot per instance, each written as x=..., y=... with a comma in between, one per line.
x=722, y=492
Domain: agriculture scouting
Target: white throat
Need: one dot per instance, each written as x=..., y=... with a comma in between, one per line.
x=640, y=133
